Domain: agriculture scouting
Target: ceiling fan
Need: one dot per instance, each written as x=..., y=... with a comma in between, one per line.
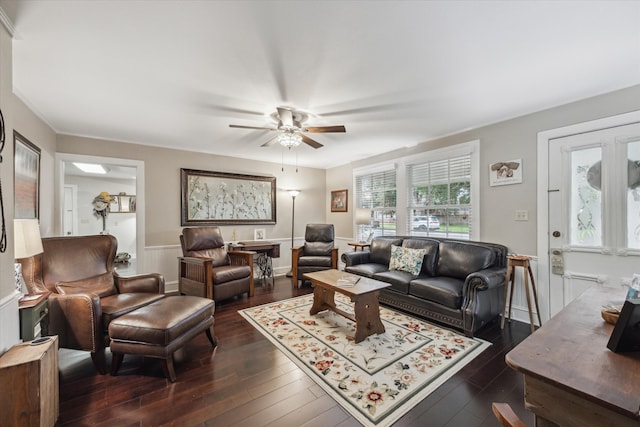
x=291, y=131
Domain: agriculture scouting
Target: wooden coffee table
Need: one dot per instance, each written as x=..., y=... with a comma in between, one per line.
x=364, y=295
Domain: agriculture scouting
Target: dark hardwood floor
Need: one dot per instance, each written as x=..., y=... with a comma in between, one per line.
x=246, y=381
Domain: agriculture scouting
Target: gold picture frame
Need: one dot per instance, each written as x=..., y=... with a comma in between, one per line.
x=339, y=201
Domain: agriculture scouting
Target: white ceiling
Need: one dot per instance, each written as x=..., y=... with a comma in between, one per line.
x=395, y=73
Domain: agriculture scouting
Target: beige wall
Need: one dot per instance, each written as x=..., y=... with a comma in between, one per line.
x=511, y=139
x=162, y=192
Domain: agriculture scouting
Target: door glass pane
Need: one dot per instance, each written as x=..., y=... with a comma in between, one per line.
x=586, y=197
x=633, y=195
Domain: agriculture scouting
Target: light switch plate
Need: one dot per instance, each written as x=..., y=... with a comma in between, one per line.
x=522, y=215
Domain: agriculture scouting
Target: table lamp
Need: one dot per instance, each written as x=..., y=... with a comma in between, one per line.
x=27, y=244
x=363, y=217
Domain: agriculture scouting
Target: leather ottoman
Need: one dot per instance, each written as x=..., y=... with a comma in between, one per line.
x=159, y=329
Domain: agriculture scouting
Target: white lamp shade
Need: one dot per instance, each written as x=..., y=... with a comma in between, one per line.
x=363, y=216
x=26, y=238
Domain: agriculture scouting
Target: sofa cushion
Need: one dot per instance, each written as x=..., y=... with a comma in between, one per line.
x=446, y=291
x=367, y=270
x=318, y=248
x=380, y=250
x=399, y=280
x=431, y=256
x=101, y=285
x=458, y=260
x=406, y=259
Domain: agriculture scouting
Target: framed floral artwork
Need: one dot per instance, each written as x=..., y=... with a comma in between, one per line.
x=339, y=201
x=219, y=198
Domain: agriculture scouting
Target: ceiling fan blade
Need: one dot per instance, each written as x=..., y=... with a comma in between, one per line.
x=311, y=142
x=251, y=127
x=324, y=129
x=286, y=117
x=270, y=142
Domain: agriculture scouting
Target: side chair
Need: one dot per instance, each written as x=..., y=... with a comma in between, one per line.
x=208, y=270
x=86, y=293
x=506, y=416
x=318, y=252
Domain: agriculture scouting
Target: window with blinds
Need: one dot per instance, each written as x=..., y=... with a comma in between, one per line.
x=376, y=192
x=439, y=198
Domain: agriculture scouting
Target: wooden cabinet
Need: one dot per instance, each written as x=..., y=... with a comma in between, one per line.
x=29, y=384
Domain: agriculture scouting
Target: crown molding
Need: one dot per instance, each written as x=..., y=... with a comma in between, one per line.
x=6, y=21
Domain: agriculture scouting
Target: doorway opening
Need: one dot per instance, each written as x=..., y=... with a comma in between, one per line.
x=76, y=212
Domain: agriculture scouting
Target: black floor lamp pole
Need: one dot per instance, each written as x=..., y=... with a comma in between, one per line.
x=293, y=194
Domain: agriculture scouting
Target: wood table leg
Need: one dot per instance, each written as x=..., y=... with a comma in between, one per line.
x=367, y=311
x=526, y=291
x=323, y=299
x=507, y=290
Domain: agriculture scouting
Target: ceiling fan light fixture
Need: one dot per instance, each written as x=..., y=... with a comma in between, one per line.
x=290, y=139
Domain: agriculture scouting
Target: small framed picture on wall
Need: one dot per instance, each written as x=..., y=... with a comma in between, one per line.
x=339, y=201
x=259, y=234
x=505, y=172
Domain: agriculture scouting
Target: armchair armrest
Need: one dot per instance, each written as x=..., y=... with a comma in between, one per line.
x=148, y=283
x=334, y=258
x=242, y=258
x=77, y=320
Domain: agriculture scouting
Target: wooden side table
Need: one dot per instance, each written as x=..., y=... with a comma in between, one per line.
x=29, y=384
x=34, y=309
x=360, y=245
x=514, y=261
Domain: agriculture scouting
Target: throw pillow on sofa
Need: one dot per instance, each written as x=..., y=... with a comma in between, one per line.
x=406, y=259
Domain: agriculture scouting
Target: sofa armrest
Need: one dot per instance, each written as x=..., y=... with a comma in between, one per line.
x=148, y=283
x=355, y=258
x=77, y=320
x=483, y=280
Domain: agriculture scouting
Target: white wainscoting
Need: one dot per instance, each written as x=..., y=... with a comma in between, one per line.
x=9, y=322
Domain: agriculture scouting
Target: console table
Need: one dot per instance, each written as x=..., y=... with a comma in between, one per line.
x=34, y=310
x=266, y=251
x=570, y=376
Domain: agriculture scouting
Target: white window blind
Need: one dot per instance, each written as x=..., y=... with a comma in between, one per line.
x=377, y=192
x=439, y=197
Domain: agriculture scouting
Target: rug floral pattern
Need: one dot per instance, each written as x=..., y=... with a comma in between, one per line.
x=378, y=379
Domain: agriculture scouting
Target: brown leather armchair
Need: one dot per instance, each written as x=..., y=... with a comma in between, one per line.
x=317, y=253
x=207, y=269
x=86, y=292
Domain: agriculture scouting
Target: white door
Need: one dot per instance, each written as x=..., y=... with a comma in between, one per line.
x=70, y=210
x=594, y=211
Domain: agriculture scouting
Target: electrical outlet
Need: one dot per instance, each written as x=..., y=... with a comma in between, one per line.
x=522, y=215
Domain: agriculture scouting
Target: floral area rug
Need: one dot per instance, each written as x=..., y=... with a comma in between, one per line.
x=377, y=380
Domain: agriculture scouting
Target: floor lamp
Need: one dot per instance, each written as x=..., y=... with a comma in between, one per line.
x=293, y=194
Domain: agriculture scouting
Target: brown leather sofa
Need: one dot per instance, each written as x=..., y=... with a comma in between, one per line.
x=208, y=270
x=460, y=282
x=86, y=292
